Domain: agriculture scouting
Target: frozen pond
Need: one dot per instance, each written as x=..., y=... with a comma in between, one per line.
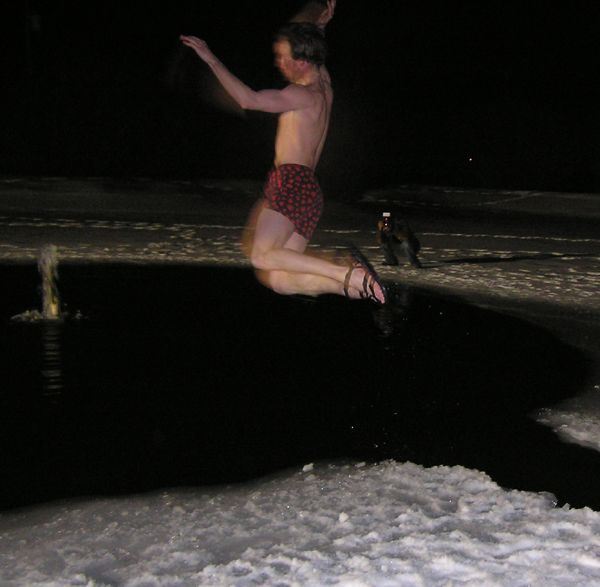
x=183, y=426
x=167, y=376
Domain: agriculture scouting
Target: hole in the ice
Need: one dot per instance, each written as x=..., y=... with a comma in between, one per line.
x=185, y=375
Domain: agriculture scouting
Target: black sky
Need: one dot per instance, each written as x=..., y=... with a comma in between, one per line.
x=98, y=88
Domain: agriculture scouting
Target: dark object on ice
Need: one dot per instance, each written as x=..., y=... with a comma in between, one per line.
x=392, y=232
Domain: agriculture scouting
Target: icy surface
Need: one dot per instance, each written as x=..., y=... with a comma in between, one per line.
x=92, y=220
x=390, y=524
x=387, y=524
x=576, y=420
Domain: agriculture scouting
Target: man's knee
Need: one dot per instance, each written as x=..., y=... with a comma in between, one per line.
x=257, y=259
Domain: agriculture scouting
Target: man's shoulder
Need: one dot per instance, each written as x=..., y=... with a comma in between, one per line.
x=304, y=96
x=296, y=88
x=311, y=90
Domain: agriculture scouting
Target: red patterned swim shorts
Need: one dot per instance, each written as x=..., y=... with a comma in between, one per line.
x=293, y=190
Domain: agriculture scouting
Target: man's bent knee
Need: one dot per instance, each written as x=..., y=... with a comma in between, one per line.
x=257, y=260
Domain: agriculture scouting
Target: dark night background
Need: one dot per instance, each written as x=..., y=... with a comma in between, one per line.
x=474, y=94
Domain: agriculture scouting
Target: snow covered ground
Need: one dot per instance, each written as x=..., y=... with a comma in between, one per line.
x=388, y=524
x=349, y=524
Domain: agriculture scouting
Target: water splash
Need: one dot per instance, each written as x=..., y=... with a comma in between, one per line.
x=48, y=269
x=50, y=321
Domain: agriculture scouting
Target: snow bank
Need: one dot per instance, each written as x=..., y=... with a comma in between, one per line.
x=387, y=524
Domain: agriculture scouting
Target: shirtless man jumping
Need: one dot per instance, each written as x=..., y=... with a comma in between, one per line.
x=293, y=202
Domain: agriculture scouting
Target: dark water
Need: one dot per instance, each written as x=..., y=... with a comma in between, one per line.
x=188, y=376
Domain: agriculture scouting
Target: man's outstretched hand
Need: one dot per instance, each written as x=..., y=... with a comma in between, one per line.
x=200, y=47
x=326, y=15
x=313, y=11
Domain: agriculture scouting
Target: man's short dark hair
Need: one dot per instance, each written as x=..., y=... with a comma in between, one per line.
x=306, y=40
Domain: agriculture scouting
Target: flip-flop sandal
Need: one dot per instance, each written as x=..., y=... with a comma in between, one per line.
x=370, y=278
x=363, y=294
x=347, y=279
x=352, y=265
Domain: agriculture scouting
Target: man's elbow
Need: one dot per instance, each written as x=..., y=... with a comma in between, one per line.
x=249, y=102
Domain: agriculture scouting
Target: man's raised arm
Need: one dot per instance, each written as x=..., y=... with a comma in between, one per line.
x=326, y=15
x=317, y=12
x=274, y=101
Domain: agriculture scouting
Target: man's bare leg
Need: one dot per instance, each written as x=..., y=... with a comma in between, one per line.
x=278, y=254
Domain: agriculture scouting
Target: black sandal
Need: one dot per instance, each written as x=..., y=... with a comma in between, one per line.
x=347, y=279
x=359, y=261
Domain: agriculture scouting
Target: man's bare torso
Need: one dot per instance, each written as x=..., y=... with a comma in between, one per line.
x=301, y=133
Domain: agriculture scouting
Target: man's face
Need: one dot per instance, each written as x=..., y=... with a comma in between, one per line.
x=291, y=69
